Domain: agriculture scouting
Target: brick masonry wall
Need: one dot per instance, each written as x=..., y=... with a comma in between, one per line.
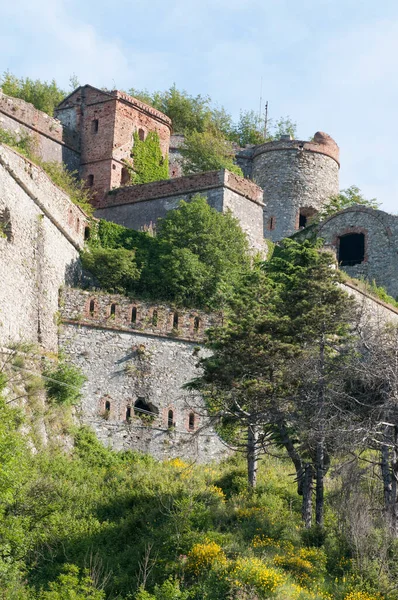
x=50, y=141
x=294, y=174
x=40, y=253
x=106, y=122
x=381, y=243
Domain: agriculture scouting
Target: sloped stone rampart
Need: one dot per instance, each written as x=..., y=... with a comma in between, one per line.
x=39, y=250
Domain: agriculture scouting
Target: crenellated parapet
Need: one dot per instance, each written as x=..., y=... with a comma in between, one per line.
x=117, y=312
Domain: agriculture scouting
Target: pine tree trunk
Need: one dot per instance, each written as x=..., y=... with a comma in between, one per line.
x=394, y=481
x=386, y=476
x=308, y=488
x=319, y=490
x=252, y=455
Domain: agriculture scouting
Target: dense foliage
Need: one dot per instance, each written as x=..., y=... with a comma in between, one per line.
x=43, y=95
x=207, y=151
x=149, y=164
x=102, y=525
x=344, y=199
x=195, y=258
x=198, y=114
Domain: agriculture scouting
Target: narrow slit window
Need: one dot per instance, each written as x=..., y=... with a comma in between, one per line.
x=90, y=180
x=128, y=413
x=175, y=320
x=170, y=419
x=92, y=308
x=196, y=324
x=271, y=223
x=113, y=310
x=87, y=233
x=134, y=315
x=78, y=225
x=191, y=422
x=94, y=126
x=107, y=406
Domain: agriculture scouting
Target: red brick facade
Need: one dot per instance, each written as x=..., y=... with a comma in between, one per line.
x=106, y=122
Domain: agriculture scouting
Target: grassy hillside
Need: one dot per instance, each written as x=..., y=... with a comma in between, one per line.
x=99, y=524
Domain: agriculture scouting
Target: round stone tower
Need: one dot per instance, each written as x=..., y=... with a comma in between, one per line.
x=298, y=178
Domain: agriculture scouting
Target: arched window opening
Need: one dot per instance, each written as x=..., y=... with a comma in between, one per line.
x=175, y=320
x=196, y=324
x=170, y=419
x=141, y=134
x=90, y=180
x=191, y=422
x=87, y=233
x=351, y=249
x=92, y=308
x=107, y=406
x=155, y=318
x=142, y=408
x=125, y=176
x=113, y=310
x=134, y=315
x=271, y=223
x=128, y=413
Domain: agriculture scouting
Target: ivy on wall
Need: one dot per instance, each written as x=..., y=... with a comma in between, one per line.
x=149, y=164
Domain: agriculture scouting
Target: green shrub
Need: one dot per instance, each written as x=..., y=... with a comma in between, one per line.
x=63, y=383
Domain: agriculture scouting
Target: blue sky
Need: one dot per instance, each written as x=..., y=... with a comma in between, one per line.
x=330, y=65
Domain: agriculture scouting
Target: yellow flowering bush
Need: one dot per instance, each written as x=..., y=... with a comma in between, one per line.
x=217, y=493
x=304, y=564
x=262, y=541
x=361, y=596
x=204, y=556
x=254, y=573
x=177, y=463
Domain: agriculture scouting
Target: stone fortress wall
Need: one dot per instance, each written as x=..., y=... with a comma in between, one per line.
x=136, y=359
x=140, y=206
x=366, y=244
x=298, y=178
x=51, y=141
x=41, y=233
x=137, y=356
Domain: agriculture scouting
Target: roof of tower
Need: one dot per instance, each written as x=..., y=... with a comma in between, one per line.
x=321, y=143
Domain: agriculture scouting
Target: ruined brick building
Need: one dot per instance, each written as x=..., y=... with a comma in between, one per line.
x=137, y=356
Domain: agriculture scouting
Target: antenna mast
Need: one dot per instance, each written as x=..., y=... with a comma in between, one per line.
x=261, y=100
x=265, y=120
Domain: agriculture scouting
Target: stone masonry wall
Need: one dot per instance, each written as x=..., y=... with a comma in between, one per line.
x=41, y=233
x=140, y=206
x=143, y=362
x=381, y=243
x=94, y=309
x=50, y=140
x=294, y=175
